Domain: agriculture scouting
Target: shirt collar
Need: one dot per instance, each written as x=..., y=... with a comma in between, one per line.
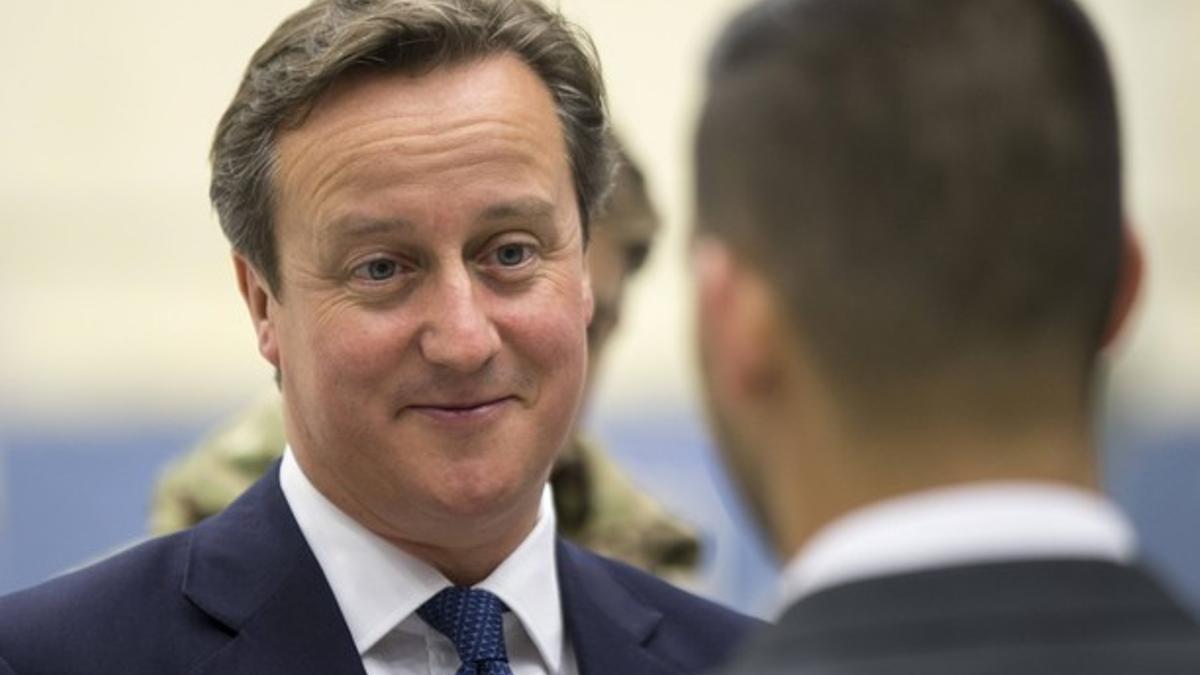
x=982, y=522
x=377, y=585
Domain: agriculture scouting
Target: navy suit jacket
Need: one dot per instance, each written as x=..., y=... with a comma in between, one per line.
x=242, y=594
x=1032, y=617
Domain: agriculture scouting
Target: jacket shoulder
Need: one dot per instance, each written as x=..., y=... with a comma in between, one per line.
x=679, y=604
x=705, y=630
x=125, y=613
x=1061, y=615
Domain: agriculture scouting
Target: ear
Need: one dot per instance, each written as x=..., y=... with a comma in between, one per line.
x=739, y=326
x=589, y=301
x=261, y=303
x=589, y=296
x=1129, y=283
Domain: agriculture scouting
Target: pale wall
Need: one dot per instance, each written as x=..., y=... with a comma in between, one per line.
x=116, y=293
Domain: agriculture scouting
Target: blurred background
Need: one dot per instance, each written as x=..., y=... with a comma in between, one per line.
x=123, y=339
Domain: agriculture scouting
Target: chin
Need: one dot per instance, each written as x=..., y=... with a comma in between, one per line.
x=478, y=493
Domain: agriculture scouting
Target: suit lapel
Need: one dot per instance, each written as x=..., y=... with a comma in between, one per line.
x=252, y=571
x=610, y=630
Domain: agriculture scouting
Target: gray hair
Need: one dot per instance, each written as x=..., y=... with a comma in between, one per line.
x=327, y=39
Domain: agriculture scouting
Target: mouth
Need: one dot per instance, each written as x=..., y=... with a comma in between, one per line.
x=462, y=412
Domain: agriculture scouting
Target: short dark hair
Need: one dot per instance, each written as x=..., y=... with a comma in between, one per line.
x=328, y=39
x=928, y=183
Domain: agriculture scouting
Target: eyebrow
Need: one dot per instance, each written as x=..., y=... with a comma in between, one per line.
x=530, y=209
x=357, y=228
x=525, y=208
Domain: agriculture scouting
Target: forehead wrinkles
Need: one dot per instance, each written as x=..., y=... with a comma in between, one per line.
x=384, y=153
x=362, y=149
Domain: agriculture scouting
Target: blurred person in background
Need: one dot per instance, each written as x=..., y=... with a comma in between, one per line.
x=910, y=254
x=596, y=504
x=407, y=188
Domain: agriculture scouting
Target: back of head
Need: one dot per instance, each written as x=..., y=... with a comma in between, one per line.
x=932, y=186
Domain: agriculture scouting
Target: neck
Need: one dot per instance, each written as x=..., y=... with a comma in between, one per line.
x=464, y=549
x=854, y=470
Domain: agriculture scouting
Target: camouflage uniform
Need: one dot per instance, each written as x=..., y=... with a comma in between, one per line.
x=597, y=505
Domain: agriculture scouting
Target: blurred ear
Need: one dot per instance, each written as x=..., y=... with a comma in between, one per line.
x=261, y=303
x=739, y=325
x=589, y=296
x=1129, y=284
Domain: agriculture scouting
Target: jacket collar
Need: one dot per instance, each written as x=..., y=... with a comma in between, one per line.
x=251, y=570
x=1097, y=589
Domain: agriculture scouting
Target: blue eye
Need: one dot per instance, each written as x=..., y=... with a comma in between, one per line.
x=512, y=255
x=381, y=269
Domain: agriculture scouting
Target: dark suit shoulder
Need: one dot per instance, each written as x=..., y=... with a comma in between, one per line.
x=122, y=614
x=1048, y=616
x=695, y=633
x=688, y=610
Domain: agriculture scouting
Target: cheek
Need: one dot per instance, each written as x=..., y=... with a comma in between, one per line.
x=547, y=335
x=342, y=346
x=551, y=329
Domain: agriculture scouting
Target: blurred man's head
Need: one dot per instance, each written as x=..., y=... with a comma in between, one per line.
x=407, y=187
x=621, y=238
x=910, y=222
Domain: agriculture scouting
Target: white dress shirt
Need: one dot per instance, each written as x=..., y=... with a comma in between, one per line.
x=380, y=587
x=972, y=523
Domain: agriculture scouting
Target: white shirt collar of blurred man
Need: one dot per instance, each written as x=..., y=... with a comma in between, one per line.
x=380, y=587
x=960, y=525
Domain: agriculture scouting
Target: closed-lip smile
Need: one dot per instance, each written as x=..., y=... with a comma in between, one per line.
x=465, y=411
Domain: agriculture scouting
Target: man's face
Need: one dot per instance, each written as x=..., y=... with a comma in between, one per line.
x=430, y=327
x=610, y=265
x=608, y=272
x=730, y=310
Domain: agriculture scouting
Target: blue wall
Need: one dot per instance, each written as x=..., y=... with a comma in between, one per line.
x=71, y=496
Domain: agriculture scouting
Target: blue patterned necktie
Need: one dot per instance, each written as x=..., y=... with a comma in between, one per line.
x=474, y=621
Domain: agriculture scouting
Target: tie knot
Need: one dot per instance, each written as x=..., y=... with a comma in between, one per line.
x=472, y=619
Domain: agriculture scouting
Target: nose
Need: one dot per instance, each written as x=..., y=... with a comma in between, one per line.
x=459, y=333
